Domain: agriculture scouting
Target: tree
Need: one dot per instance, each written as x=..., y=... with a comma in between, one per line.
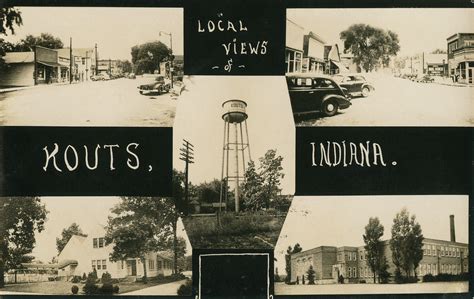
x=9, y=18
x=406, y=243
x=373, y=245
x=20, y=218
x=438, y=51
x=45, y=40
x=261, y=185
x=125, y=65
x=253, y=196
x=370, y=46
x=141, y=225
x=311, y=275
x=66, y=234
x=148, y=56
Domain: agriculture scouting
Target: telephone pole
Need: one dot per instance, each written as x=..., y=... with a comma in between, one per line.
x=96, y=61
x=71, y=61
x=186, y=155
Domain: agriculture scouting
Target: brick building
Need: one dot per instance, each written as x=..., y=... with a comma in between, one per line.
x=461, y=57
x=439, y=256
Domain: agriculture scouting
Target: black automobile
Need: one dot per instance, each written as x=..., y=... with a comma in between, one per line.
x=310, y=93
x=159, y=85
x=355, y=84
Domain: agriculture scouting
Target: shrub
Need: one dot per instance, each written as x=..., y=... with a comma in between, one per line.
x=186, y=289
x=107, y=289
x=84, y=276
x=74, y=289
x=106, y=278
x=76, y=279
x=116, y=289
x=362, y=281
x=428, y=278
x=90, y=286
x=446, y=277
x=178, y=276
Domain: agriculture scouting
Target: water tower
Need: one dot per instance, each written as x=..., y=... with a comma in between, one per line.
x=236, y=148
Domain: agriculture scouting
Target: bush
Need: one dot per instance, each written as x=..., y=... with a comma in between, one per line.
x=84, y=276
x=74, y=289
x=76, y=279
x=107, y=289
x=428, y=278
x=106, y=278
x=116, y=289
x=90, y=287
x=186, y=289
x=362, y=281
x=446, y=277
x=178, y=276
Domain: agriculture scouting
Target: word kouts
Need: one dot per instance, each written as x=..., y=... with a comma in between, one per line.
x=334, y=154
x=71, y=157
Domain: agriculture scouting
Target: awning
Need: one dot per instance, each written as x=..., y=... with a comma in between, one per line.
x=52, y=64
x=340, y=66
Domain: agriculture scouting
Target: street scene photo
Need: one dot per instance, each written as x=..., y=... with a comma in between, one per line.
x=371, y=67
x=99, y=67
x=93, y=246
x=234, y=172
x=374, y=245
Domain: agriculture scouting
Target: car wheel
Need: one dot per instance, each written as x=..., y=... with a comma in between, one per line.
x=365, y=92
x=141, y=92
x=330, y=108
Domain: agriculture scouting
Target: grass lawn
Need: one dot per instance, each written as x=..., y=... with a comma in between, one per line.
x=252, y=230
x=64, y=287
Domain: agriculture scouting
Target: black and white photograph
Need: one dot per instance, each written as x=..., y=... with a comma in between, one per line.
x=374, y=245
x=235, y=160
x=91, y=66
x=380, y=67
x=93, y=246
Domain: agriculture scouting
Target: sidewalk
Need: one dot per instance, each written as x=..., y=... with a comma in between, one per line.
x=449, y=82
x=168, y=289
x=12, y=89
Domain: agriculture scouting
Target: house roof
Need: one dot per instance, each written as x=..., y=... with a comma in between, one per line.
x=166, y=254
x=19, y=57
x=66, y=263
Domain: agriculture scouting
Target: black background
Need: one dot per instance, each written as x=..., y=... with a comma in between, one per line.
x=203, y=50
x=24, y=158
x=429, y=161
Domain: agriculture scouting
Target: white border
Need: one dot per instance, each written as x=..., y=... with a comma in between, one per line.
x=231, y=254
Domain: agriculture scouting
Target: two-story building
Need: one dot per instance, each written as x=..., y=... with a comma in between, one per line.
x=83, y=254
x=330, y=262
x=461, y=57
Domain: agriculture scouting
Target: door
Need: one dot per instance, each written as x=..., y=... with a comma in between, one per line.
x=302, y=94
x=469, y=76
x=132, y=268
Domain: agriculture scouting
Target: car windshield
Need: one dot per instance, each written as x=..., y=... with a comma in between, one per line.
x=160, y=79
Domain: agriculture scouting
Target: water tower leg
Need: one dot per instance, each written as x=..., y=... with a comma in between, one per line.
x=222, y=171
x=242, y=145
x=248, y=141
x=237, y=207
x=227, y=168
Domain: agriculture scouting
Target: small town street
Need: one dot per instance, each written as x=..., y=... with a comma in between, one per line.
x=92, y=103
x=401, y=102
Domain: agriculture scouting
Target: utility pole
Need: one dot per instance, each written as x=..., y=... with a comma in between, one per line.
x=71, y=60
x=171, y=55
x=110, y=67
x=186, y=155
x=96, y=61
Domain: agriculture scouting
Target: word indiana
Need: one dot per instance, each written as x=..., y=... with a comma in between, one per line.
x=344, y=154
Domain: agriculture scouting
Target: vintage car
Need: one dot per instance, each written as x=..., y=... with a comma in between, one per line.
x=355, y=84
x=100, y=77
x=424, y=79
x=159, y=85
x=311, y=92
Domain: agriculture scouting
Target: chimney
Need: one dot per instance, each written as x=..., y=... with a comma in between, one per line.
x=451, y=227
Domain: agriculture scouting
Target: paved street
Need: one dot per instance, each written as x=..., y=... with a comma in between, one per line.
x=401, y=102
x=100, y=103
x=425, y=287
x=167, y=289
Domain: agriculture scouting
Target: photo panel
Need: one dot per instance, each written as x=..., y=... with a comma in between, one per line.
x=104, y=66
x=383, y=245
x=366, y=67
x=234, y=144
x=132, y=246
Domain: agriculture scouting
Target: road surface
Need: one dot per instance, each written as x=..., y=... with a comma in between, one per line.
x=167, y=289
x=401, y=102
x=100, y=103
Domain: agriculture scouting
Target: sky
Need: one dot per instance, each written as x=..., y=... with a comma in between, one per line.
x=87, y=212
x=418, y=29
x=198, y=120
x=341, y=220
x=115, y=30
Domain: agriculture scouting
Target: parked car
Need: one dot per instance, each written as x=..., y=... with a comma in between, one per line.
x=355, y=84
x=100, y=77
x=131, y=76
x=178, y=87
x=159, y=85
x=310, y=93
x=424, y=79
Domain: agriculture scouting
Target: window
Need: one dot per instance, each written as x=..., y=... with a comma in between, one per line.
x=151, y=264
x=95, y=243
x=99, y=264
x=93, y=264
x=354, y=256
x=104, y=264
x=101, y=242
x=324, y=83
x=121, y=264
x=355, y=271
x=159, y=264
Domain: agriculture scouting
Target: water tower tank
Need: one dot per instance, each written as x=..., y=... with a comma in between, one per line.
x=234, y=111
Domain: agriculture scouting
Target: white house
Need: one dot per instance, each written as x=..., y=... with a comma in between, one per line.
x=83, y=254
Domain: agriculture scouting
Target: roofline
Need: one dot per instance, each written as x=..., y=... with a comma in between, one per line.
x=295, y=23
x=458, y=34
x=234, y=100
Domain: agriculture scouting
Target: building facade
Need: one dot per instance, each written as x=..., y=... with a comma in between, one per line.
x=83, y=254
x=330, y=262
x=461, y=57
